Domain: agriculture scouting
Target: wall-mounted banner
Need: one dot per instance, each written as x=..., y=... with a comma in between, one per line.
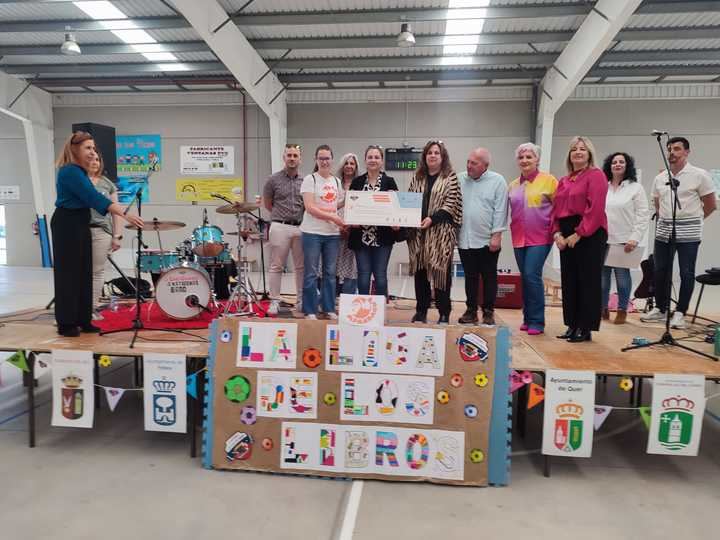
x=138, y=156
x=267, y=345
x=73, y=389
x=283, y=394
x=387, y=398
x=207, y=159
x=411, y=351
x=396, y=451
x=678, y=407
x=199, y=190
x=569, y=413
x=164, y=392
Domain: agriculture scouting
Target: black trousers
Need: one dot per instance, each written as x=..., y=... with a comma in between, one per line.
x=480, y=263
x=423, y=294
x=72, y=272
x=581, y=277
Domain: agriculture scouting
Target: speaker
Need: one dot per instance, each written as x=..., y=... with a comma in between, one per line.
x=105, y=143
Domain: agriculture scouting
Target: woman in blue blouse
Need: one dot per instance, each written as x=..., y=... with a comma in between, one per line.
x=70, y=225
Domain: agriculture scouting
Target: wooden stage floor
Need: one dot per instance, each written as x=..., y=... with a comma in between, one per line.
x=34, y=330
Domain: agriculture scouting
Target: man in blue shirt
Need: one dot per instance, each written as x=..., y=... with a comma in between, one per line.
x=485, y=217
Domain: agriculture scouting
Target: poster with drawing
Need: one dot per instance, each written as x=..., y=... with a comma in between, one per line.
x=73, y=389
x=266, y=345
x=164, y=392
x=283, y=394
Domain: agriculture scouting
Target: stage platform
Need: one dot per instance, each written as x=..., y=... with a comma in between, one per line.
x=34, y=330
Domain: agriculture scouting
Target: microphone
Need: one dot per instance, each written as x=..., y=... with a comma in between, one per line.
x=194, y=301
x=218, y=196
x=656, y=132
x=138, y=196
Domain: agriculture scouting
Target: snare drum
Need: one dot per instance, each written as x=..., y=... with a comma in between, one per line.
x=183, y=290
x=207, y=241
x=157, y=261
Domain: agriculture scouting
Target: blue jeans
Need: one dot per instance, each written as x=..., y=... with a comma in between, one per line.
x=687, y=255
x=373, y=260
x=530, y=261
x=317, y=247
x=348, y=286
x=624, y=284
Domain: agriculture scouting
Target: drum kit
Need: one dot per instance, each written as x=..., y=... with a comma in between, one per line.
x=185, y=284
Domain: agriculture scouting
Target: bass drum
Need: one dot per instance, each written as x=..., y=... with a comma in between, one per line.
x=182, y=290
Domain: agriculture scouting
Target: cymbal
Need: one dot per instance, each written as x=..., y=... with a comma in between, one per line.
x=237, y=208
x=156, y=225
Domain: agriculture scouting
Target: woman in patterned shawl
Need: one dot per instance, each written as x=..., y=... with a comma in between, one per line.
x=431, y=246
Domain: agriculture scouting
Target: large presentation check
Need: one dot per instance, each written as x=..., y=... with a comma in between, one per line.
x=387, y=208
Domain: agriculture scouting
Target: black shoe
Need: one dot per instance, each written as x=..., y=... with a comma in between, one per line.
x=68, y=331
x=89, y=329
x=469, y=317
x=569, y=332
x=444, y=319
x=580, y=335
x=488, y=318
x=420, y=317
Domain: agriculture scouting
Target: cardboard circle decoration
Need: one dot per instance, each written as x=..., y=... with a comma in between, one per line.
x=248, y=415
x=237, y=389
x=312, y=358
x=477, y=455
x=238, y=447
x=267, y=444
x=456, y=380
x=443, y=396
x=481, y=380
x=626, y=384
x=472, y=347
x=471, y=411
x=225, y=336
x=329, y=399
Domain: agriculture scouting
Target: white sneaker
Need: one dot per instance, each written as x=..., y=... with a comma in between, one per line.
x=273, y=308
x=311, y=317
x=654, y=315
x=332, y=316
x=678, y=320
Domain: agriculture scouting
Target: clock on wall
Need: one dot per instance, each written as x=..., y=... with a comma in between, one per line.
x=402, y=159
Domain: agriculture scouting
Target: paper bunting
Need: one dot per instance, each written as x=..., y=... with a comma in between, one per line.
x=601, y=413
x=645, y=415
x=42, y=364
x=18, y=360
x=536, y=395
x=113, y=396
x=516, y=380
x=192, y=385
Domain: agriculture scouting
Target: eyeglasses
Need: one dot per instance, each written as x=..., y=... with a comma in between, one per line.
x=324, y=159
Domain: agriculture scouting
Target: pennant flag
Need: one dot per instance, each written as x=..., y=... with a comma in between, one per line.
x=18, y=360
x=645, y=415
x=536, y=395
x=42, y=364
x=601, y=413
x=192, y=385
x=516, y=381
x=113, y=396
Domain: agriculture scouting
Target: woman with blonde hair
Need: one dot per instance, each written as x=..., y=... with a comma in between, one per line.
x=580, y=233
x=431, y=246
x=72, y=246
x=346, y=265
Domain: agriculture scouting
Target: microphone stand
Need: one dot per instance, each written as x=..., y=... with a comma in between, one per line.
x=667, y=337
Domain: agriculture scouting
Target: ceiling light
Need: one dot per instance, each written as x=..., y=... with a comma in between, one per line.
x=100, y=10
x=70, y=46
x=406, y=37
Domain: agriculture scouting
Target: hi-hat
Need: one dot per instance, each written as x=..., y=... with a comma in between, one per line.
x=237, y=208
x=156, y=225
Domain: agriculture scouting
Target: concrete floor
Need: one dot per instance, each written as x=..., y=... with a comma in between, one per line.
x=117, y=481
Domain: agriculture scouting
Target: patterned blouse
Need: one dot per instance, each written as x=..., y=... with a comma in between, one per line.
x=369, y=233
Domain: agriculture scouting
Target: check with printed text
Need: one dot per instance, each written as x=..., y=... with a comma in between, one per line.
x=384, y=208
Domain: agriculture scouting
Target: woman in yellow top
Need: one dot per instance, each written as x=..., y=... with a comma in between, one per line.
x=531, y=199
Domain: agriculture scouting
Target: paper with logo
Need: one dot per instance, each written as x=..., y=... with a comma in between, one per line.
x=417, y=451
x=283, y=394
x=601, y=414
x=165, y=392
x=387, y=398
x=267, y=345
x=677, y=410
x=113, y=396
x=73, y=389
x=387, y=208
x=569, y=413
x=365, y=311
x=392, y=349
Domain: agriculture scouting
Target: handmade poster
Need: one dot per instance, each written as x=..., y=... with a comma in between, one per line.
x=311, y=420
x=392, y=349
x=677, y=410
x=266, y=345
x=199, y=190
x=164, y=392
x=365, y=311
x=569, y=413
x=385, y=208
x=387, y=398
x=73, y=390
x=283, y=394
x=207, y=159
x=358, y=449
x=138, y=157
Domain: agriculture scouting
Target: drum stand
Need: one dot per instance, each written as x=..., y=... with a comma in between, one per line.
x=243, y=295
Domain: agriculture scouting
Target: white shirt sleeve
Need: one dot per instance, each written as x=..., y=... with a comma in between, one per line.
x=307, y=186
x=706, y=184
x=642, y=214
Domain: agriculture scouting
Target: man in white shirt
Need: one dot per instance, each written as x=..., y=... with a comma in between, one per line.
x=696, y=195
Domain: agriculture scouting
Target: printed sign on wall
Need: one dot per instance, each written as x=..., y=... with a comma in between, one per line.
x=678, y=406
x=569, y=413
x=138, y=156
x=207, y=159
x=73, y=389
x=200, y=189
x=164, y=392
